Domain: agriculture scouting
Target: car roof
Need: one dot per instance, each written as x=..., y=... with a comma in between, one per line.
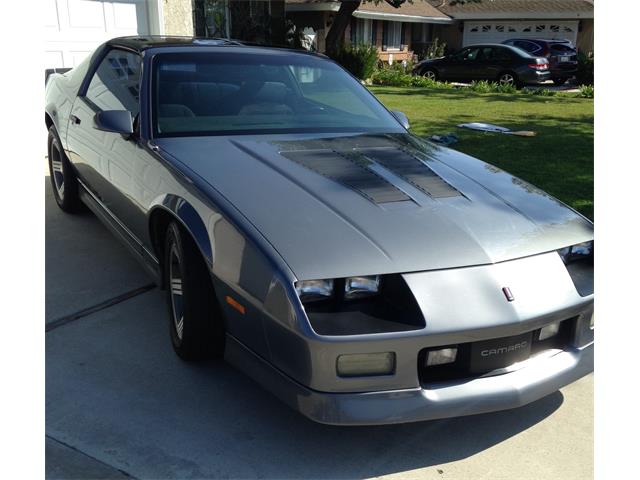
x=141, y=43
x=545, y=40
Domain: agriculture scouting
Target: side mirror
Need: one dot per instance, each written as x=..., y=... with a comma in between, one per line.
x=116, y=121
x=402, y=118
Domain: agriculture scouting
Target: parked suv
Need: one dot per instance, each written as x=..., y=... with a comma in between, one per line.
x=494, y=62
x=561, y=54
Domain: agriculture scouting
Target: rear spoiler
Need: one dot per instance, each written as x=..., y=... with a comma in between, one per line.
x=49, y=71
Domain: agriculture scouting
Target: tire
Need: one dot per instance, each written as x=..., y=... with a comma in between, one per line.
x=559, y=80
x=195, y=320
x=63, y=179
x=509, y=78
x=430, y=73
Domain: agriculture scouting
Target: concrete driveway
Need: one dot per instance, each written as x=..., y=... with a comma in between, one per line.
x=120, y=404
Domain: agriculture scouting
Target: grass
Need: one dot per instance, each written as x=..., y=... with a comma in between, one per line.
x=559, y=159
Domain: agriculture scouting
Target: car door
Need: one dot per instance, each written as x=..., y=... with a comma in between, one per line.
x=460, y=65
x=491, y=61
x=106, y=162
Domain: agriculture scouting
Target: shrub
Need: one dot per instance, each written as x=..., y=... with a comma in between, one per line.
x=584, y=75
x=436, y=49
x=360, y=60
x=484, y=86
x=542, y=92
x=394, y=77
x=586, y=91
x=481, y=87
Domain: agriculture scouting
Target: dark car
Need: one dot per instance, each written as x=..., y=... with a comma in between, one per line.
x=561, y=54
x=493, y=62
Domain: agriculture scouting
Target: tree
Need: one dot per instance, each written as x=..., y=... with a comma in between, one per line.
x=335, y=35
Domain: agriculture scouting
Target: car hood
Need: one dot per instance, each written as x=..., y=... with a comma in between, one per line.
x=343, y=205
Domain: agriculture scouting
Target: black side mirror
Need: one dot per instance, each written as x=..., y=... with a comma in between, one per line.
x=402, y=118
x=116, y=121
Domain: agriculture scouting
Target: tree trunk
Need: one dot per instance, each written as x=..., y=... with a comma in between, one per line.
x=335, y=36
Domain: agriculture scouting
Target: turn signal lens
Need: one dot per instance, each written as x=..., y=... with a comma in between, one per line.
x=358, y=287
x=549, y=331
x=592, y=321
x=442, y=356
x=366, y=364
x=312, y=290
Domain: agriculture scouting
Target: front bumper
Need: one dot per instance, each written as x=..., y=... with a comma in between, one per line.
x=536, y=378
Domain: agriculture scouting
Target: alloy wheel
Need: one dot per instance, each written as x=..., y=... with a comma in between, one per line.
x=430, y=74
x=177, y=302
x=507, y=79
x=57, y=172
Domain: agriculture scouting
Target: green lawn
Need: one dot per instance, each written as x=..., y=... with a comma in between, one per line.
x=559, y=159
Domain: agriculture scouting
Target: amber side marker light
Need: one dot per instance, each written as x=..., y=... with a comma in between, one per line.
x=235, y=304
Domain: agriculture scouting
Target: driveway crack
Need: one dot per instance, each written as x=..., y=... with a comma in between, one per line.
x=100, y=306
x=126, y=474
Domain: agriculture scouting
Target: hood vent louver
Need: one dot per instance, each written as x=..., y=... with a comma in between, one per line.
x=350, y=171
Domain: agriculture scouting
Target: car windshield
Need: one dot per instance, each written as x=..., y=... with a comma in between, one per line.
x=223, y=93
x=561, y=48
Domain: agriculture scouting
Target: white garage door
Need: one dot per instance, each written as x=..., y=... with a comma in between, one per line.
x=74, y=28
x=496, y=32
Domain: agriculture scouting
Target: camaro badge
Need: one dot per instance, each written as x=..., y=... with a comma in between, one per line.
x=508, y=294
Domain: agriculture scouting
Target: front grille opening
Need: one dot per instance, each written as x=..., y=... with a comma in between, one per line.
x=466, y=367
x=394, y=309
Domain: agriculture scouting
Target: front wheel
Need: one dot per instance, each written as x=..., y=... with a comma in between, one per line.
x=63, y=178
x=195, y=319
x=430, y=74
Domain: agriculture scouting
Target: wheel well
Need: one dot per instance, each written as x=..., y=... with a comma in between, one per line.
x=48, y=121
x=158, y=224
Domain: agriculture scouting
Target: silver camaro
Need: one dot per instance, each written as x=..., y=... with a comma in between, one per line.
x=361, y=274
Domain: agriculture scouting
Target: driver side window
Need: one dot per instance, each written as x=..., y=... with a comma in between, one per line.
x=116, y=83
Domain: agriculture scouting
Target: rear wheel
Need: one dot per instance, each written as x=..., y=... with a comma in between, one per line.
x=508, y=78
x=559, y=80
x=63, y=178
x=195, y=319
x=430, y=73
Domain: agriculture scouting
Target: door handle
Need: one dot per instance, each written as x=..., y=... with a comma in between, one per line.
x=74, y=119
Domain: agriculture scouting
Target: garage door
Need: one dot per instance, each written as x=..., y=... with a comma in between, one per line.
x=496, y=32
x=74, y=28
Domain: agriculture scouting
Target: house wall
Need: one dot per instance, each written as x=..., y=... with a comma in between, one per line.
x=178, y=17
x=585, y=36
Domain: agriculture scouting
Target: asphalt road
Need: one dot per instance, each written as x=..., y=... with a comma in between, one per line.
x=120, y=404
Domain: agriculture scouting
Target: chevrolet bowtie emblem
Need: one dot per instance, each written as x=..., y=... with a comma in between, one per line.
x=507, y=293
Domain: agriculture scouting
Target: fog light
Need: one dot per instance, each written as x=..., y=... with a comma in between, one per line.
x=442, y=356
x=366, y=364
x=549, y=331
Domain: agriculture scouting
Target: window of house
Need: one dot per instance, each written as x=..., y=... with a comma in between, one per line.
x=500, y=28
x=394, y=35
x=540, y=28
x=363, y=31
x=486, y=28
x=116, y=83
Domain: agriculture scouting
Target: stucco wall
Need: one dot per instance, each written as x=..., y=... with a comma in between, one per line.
x=585, y=35
x=178, y=17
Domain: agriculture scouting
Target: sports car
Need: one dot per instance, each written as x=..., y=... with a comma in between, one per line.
x=301, y=232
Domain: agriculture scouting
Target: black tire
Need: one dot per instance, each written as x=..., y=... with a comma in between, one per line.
x=195, y=320
x=559, y=81
x=430, y=73
x=63, y=179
